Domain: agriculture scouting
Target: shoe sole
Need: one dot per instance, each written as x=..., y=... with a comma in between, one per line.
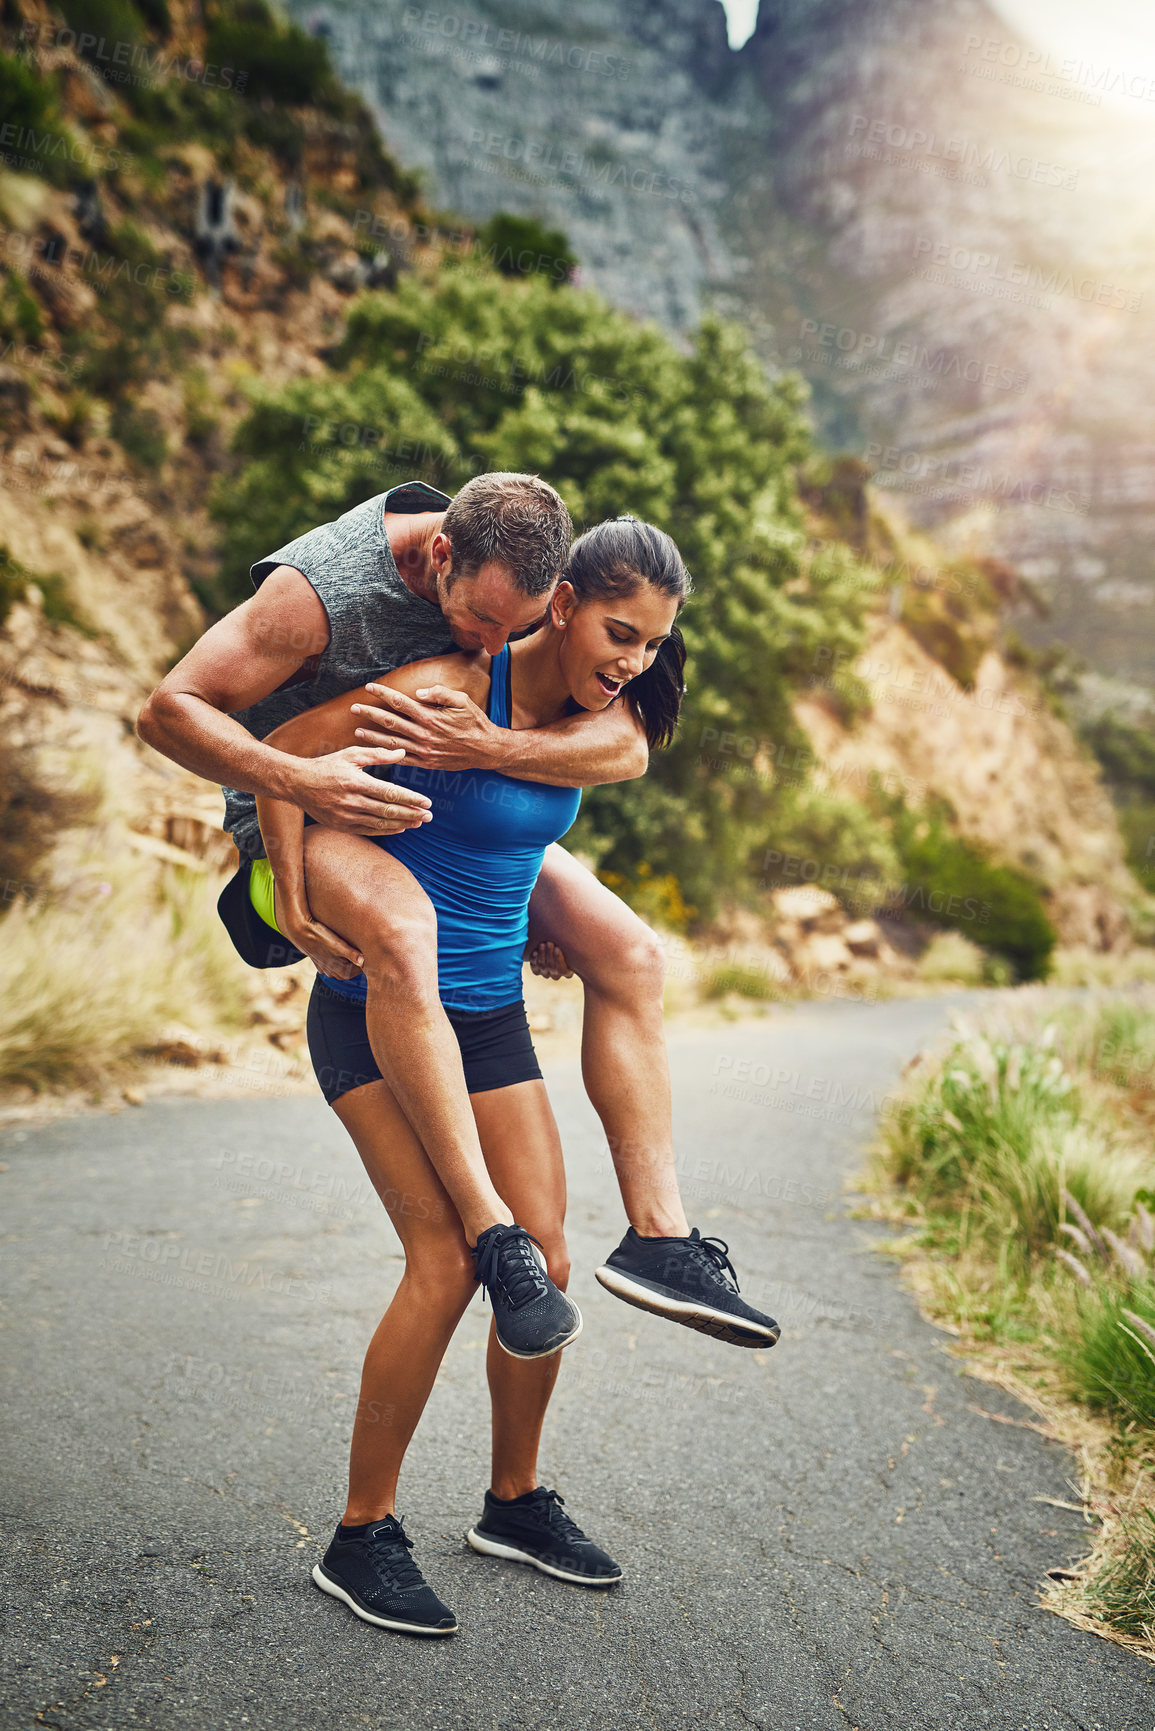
x=550, y=1350
x=494, y=1548
x=702, y=1317
x=335, y=1591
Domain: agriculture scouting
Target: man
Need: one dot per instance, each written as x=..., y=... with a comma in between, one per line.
x=398, y=578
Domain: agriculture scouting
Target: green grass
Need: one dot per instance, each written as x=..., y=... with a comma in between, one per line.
x=1023, y=1156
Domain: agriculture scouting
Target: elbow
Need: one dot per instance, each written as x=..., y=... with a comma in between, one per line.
x=639, y=760
x=150, y=721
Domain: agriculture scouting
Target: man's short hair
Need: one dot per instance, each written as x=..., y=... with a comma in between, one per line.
x=515, y=520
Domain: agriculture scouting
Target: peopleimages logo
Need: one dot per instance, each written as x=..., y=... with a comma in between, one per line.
x=869, y=349
x=960, y=151
x=126, y=62
x=1031, y=67
x=993, y=268
x=481, y=34
x=28, y=144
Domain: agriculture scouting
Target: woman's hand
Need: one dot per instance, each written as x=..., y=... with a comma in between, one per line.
x=548, y=962
x=328, y=953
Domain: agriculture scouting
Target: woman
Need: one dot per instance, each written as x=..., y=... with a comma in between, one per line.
x=610, y=634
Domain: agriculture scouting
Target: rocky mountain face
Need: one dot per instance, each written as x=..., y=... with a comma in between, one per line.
x=944, y=228
x=600, y=117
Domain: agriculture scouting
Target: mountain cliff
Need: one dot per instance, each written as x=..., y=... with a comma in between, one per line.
x=946, y=230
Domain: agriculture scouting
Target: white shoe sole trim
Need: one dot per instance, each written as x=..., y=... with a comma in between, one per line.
x=549, y=1352
x=623, y=1287
x=492, y=1548
x=336, y=1592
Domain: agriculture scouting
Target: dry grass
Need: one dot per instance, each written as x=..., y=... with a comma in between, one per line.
x=93, y=977
x=1115, y=969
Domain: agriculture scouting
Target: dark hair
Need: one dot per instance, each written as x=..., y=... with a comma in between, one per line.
x=517, y=520
x=616, y=558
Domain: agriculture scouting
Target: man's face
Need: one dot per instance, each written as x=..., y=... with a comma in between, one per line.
x=485, y=610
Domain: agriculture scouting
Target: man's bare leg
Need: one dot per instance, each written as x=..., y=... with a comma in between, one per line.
x=374, y=902
x=624, y=1064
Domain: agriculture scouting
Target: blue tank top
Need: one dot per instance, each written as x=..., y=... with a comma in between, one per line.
x=478, y=861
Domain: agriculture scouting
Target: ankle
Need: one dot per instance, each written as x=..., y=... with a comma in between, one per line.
x=476, y=1224
x=655, y=1221
x=506, y=1487
x=361, y=1514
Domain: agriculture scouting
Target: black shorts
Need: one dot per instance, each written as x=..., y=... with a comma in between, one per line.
x=496, y=1047
x=255, y=941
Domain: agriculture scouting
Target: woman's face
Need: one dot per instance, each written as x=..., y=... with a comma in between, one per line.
x=607, y=641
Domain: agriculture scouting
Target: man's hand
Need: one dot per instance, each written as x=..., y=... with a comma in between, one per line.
x=444, y=730
x=328, y=953
x=548, y=962
x=336, y=792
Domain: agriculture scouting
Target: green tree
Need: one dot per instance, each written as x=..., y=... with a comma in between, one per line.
x=480, y=372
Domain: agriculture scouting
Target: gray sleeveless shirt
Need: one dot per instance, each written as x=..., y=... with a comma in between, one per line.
x=375, y=624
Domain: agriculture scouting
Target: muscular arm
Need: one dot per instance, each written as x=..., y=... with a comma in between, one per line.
x=239, y=660
x=326, y=728
x=445, y=730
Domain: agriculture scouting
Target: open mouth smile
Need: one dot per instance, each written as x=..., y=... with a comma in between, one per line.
x=610, y=686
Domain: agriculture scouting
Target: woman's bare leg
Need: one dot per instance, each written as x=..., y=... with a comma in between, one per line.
x=624, y=1065
x=360, y=891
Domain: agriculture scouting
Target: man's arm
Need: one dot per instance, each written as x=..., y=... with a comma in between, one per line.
x=444, y=729
x=238, y=661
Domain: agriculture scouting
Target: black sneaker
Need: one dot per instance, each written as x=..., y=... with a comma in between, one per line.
x=688, y=1280
x=373, y=1573
x=535, y=1529
x=534, y=1318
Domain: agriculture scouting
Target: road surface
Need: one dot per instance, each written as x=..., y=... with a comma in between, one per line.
x=828, y=1535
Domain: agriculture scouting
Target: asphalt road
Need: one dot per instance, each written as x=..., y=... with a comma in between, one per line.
x=828, y=1535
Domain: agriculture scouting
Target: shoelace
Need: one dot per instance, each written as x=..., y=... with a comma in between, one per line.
x=714, y=1253
x=557, y=1517
x=389, y=1549
x=507, y=1256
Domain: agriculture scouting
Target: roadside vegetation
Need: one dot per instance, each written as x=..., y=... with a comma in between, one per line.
x=121, y=964
x=1020, y=1161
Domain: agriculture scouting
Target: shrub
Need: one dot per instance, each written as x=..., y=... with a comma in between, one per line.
x=520, y=246
x=1108, y=1360
x=953, y=883
x=280, y=61
x=994, y=1136
x=101, y=24
x=28, y=104
x=657, y=897
x=20, y=315
x=1126, y=755
x=140, y=433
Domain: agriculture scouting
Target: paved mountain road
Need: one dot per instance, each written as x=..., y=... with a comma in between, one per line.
x=820, y=1537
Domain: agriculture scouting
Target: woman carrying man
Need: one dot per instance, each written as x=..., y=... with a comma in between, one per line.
x=610, y=633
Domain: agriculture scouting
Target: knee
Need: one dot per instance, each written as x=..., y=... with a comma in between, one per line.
x=442, y=1276
x=400, y=950
x=636, y=968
